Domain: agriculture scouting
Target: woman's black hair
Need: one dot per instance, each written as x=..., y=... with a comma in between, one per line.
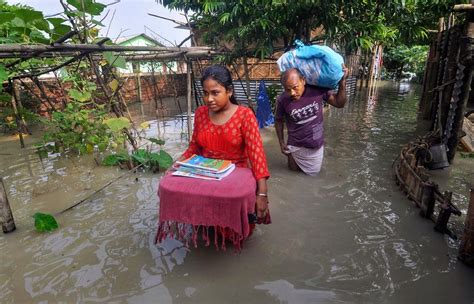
x=222, y=75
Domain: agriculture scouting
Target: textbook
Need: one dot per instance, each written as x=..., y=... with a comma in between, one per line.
x=208, y=164
x=202, y=174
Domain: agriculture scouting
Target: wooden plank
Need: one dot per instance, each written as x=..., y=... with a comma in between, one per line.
x=466, y=249
x=6, y=216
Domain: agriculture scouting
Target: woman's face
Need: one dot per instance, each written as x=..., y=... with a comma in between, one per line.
x=216, y=96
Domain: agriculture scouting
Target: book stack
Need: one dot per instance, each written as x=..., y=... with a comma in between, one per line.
x=204, y=168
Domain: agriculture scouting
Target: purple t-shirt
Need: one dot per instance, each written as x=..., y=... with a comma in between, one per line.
x=304, y=117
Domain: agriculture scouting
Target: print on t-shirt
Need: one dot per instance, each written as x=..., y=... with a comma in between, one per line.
x=306, y=113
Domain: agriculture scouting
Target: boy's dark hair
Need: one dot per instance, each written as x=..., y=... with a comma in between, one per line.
x=222, y=75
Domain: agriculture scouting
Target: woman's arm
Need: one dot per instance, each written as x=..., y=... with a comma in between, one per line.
x=256, y=154
x=262, y=198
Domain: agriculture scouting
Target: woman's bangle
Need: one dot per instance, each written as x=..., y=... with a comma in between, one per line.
x=262, y=194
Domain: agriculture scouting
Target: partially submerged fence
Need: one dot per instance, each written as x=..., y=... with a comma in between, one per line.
x=413, y=179
x=448, y=80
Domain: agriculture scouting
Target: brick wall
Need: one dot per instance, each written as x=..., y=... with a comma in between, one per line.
x=160, y=85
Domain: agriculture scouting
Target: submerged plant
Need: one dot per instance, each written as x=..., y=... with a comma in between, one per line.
x=153, y=161
x=45, y=222
x=79, y=129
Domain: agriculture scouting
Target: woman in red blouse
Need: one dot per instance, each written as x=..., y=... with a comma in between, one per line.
x=225, y=130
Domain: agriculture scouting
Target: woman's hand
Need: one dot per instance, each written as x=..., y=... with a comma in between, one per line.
x=261, y=206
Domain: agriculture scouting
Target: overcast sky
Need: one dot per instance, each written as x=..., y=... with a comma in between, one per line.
x=131, y=18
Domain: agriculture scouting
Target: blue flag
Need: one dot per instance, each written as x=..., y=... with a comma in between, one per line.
x=264, y=110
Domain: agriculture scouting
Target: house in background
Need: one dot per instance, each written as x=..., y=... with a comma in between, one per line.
x=159, y=67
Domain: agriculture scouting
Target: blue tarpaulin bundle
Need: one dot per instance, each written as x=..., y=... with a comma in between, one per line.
x=264, y=110
x=320, y=65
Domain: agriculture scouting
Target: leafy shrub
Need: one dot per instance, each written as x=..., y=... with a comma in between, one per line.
x=79, y=129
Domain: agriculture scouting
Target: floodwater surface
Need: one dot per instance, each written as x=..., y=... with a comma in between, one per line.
x=348, y=235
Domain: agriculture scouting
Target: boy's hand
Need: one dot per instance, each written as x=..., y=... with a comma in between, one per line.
x=346, y=72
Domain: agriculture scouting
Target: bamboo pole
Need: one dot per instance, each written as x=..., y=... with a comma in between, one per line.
x=466, y=249
x=188, y=95
x=23, y=48
x=6, y=216
x=17, y=115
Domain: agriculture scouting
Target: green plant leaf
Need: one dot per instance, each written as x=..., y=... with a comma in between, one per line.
x=117, y=124
x=80, y=96
x=165, y=160
x=3, y=73
x=90, y=6
x=115, y=60
x=115, y=159
x=142, y=157
x=45, y=222
x=6, y=17
x=157, y=141
x=28, y=15
x=114, y=85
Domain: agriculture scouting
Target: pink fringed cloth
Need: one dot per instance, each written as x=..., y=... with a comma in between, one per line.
x=204, y=207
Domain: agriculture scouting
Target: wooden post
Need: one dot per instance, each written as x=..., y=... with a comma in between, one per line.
x=427, y=201
x=17, y=115
x=466, y=249
x=188, y=98
x=444, y=213
x=6, y=216
x=139, y=86
x=465, y=73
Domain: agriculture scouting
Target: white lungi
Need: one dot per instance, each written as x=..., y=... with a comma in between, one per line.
x=309, y=160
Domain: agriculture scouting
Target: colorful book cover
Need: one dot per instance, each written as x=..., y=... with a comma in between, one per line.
x=190, y=173
x=215, y=165
x=203, y=171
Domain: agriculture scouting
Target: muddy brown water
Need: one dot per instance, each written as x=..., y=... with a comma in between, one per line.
x=346, y=236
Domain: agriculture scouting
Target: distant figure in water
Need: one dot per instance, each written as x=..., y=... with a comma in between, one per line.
x=301, y=107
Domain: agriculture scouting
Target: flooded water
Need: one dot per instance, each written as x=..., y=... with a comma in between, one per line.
x=346, y=236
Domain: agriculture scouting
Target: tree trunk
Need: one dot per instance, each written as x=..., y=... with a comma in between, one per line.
x=247, y=82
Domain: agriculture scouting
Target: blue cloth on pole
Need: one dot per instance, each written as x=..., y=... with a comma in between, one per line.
x=264, y=109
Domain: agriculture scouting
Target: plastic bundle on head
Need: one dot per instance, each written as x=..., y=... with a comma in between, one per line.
x=320, y=65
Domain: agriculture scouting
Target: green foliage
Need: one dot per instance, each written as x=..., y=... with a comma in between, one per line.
x=467, y=154
x=22, y=24
x=273, y=92
x=79, y=129
x=152, y=161
x=117, y=61
x=404, y=59
x=81, y=96
x=7, y=117
x=115, y=159
x=88, y=6
x=257, y=28
x=45, y=222
x=117, y=124
x=157, y=141
x=3, y=75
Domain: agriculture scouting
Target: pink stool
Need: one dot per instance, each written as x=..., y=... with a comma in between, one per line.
x=224, y=205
